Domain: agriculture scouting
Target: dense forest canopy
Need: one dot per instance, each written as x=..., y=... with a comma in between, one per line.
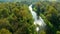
x=50, y=12
x=15, y=17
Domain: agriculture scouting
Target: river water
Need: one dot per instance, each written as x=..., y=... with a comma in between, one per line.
x=39, y=21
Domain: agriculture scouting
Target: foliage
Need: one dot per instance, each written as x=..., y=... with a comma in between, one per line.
x=49, y=11
x=4, y=31
x=17, y=18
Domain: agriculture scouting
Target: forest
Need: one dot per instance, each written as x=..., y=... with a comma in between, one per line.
x=16, y=18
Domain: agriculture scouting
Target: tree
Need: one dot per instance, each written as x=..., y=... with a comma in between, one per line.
x=4, y=31
x=16, y=18
x=51, y=11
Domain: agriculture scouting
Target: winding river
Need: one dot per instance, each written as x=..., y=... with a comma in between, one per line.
x=39, y=21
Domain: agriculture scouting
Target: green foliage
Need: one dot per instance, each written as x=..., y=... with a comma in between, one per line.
x=49, y=11
x=4, y=31
x=58, y=32
x=42, y=32
x=17, y=18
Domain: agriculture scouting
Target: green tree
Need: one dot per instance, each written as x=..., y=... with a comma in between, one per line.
x=5, y=31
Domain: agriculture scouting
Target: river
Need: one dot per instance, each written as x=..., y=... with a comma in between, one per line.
x=39, y=21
